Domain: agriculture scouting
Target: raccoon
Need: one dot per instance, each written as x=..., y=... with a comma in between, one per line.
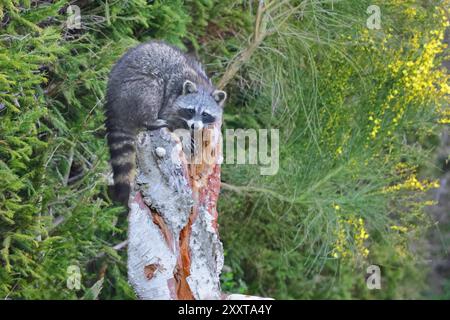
x=154, y=85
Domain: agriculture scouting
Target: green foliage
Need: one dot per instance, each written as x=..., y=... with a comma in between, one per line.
x=54, y=208
x=321, y=78
x=353, y=132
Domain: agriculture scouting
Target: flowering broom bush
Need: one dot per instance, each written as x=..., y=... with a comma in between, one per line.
x=358, y=111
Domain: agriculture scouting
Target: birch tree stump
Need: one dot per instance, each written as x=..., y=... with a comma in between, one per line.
x=174, y=251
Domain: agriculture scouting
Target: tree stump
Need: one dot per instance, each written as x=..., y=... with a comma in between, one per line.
x=174, y=251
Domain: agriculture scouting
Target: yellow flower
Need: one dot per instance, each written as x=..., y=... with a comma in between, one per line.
x=399, y=228
x=350, y=238
x=411, y=12
x=413, y=184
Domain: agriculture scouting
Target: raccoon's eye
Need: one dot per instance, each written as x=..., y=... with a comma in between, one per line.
x=187, y=113
x=207, y=118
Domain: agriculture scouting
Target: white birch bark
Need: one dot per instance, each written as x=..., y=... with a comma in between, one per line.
x=174, y=251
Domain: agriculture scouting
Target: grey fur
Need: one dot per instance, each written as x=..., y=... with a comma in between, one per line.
x=152, y=86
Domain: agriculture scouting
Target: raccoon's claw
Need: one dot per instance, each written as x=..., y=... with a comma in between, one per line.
x=155, y=125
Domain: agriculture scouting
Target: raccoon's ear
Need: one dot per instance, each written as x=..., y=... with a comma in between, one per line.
x=219, y=96
x=189, y=87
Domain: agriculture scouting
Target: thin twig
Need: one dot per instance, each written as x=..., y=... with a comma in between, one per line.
x=249, y=189
x=258, y=36
x=117, y=247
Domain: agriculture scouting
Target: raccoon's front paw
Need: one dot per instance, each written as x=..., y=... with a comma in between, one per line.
x=155, y=125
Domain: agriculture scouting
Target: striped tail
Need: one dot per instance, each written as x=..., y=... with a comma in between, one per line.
x=123, y=162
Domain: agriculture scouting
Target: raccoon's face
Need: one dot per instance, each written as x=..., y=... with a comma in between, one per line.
x=197, y=108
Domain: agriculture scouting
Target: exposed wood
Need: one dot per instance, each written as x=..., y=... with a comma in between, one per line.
x=174, y=249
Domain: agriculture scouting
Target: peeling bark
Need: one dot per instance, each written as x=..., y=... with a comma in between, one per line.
x=174, y=251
